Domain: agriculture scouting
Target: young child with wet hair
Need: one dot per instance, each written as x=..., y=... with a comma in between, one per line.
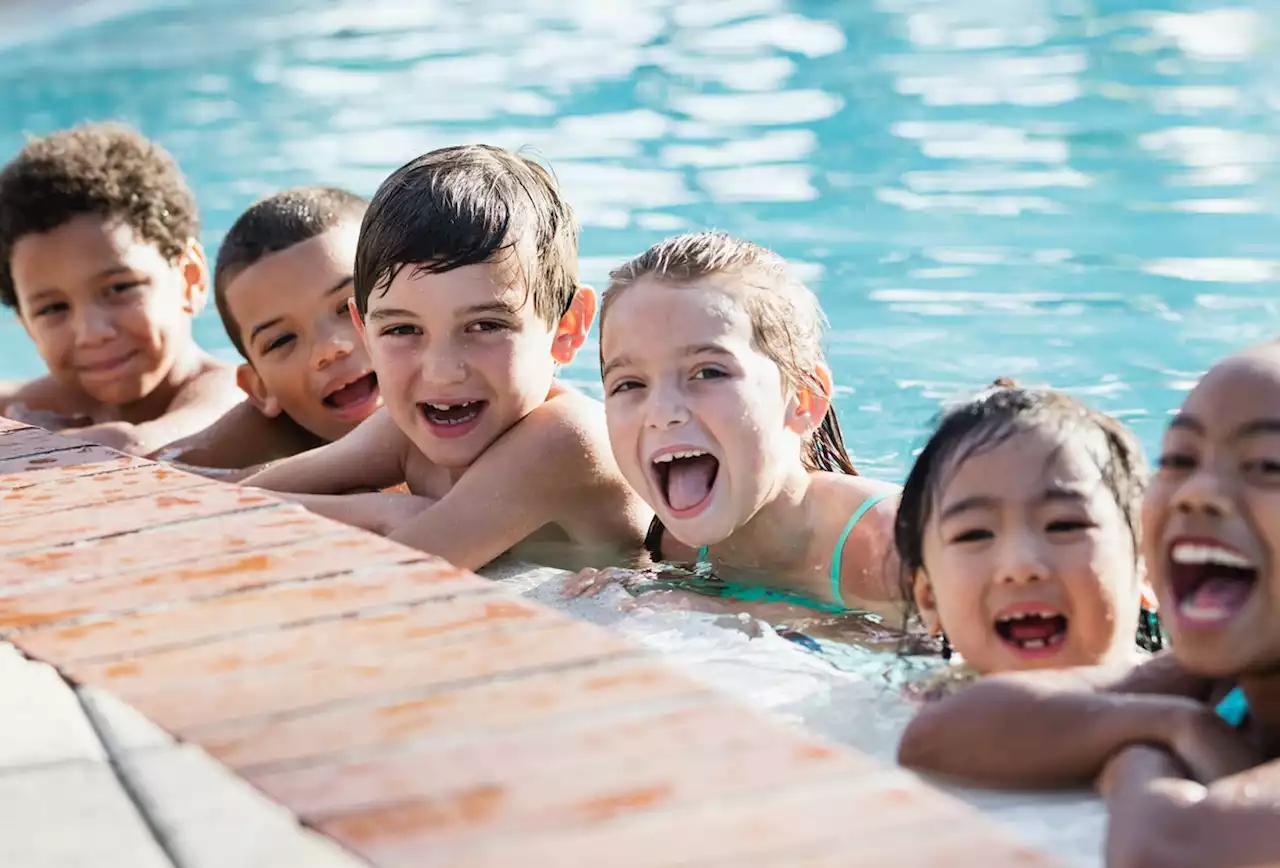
x=718, y=400
x=1185, y=748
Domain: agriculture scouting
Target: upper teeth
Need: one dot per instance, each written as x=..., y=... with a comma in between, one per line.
x=1190, y=553
x=1018, y=616
x=446, y=406
x=672, y=456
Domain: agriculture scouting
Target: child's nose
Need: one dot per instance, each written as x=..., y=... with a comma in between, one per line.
x=330, y=349
x=1022, y=560
x=92, y=326
x=1203, y=493
x=666, y=409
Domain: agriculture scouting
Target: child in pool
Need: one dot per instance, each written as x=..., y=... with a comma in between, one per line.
x=99, y=258
x=282, y=284
x=719, y=410
x=1017, y=534
x=1185, y=747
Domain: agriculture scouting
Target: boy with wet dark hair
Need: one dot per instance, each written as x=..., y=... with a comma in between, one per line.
x=100, y=260
x=281, y=285
x=467, y=298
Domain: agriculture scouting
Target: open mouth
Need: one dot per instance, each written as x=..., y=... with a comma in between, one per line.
x=1032, y=631
x=1210, y=582
x=354, y=394
x=452, y=419
x=686, y=478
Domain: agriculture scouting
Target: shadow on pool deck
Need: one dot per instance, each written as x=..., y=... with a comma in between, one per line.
x=412, y=712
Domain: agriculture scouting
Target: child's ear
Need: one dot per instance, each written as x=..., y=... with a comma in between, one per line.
x=195, y=275
x=926, y=603
x=251, y=384
x=575, y=325
x=357, y=321
x=811, y=404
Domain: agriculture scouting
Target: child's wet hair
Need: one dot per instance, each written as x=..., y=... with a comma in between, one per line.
x=466, y=205
x=994, y=417
x=277, y=223
x=786, y=321
x=106, y=169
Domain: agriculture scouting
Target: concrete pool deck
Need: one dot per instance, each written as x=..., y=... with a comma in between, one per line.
x=179, y=647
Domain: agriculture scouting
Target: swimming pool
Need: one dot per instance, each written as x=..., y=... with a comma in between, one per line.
x=1067, y=192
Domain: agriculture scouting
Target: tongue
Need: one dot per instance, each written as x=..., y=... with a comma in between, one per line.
x=689, y=481
x=353, y=393
x=1215, y=599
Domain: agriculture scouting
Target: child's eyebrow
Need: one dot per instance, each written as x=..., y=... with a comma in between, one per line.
x=346, y=281
x=1259, y=426
x=978, y=501
x=390, y=313
x=490, y=307
x=616, y=362
x=263, y=326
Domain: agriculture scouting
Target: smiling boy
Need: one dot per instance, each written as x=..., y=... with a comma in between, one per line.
x=282, y=283
x=467, y=299
x=100, y=260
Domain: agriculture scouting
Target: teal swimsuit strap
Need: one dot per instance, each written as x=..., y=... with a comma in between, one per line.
x=1234, y=708
x=837, y=557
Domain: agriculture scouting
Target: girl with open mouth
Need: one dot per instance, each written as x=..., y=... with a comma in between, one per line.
x=1185, y=748
x=719, y=411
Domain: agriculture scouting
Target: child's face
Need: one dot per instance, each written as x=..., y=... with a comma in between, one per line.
x=305, y=357
x=1211, y=519
x=1029, y=562
x=462, y=356
x=107, y=312
x=700, y=421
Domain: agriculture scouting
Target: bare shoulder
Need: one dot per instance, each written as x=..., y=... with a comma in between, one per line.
x=568, y=432
x=44, y=394
x=213, y=384
x=857, y=520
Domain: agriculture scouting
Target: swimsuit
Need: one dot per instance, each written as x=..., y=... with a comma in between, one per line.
x=1234, y=708
x=754, y=594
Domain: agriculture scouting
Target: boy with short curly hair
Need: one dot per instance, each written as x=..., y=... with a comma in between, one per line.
x=99, y=258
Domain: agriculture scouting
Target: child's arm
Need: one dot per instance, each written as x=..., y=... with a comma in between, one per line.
x=1159, y=818
x=241, y=439
x=532, y=476
x=1055, y=728
x=380, y=512
x=372, y=457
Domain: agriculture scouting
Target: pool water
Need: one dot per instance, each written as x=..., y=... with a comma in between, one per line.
x=1078, y=193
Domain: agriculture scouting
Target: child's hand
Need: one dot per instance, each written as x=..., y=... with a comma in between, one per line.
x=1145, y=792
x=1209, y=747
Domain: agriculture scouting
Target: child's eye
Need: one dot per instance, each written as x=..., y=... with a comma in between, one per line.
x=972, y=535
x=124, y=286
x=53, y=308
x=709, y=374
x=404, y=330
x=487, y=325
x=1069, y=525
x=624, y=386
x=1176, y=461
x=278, y=342
x=343, y=310
x=1265, y=466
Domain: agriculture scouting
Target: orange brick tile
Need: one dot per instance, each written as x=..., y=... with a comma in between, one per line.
x=119, y=594
x=484, y=609
x=195, y=540
x=10, y=425
x=99, y=488
x=378, y=670
x=89, y=522
x=843, y=813
x=272, y=606
x=54, y=466
x=570, y=771
x=475, y=709
x=33, y=441
x=977, y=842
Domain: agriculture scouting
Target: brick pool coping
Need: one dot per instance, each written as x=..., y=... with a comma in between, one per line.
x=415, y=713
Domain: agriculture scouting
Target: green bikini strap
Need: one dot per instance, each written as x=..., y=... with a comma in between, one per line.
x=838, y=555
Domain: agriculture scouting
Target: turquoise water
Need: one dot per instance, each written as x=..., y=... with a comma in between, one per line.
x=1068, y=192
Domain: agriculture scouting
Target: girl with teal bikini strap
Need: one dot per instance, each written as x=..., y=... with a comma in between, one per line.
x=719, y=410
